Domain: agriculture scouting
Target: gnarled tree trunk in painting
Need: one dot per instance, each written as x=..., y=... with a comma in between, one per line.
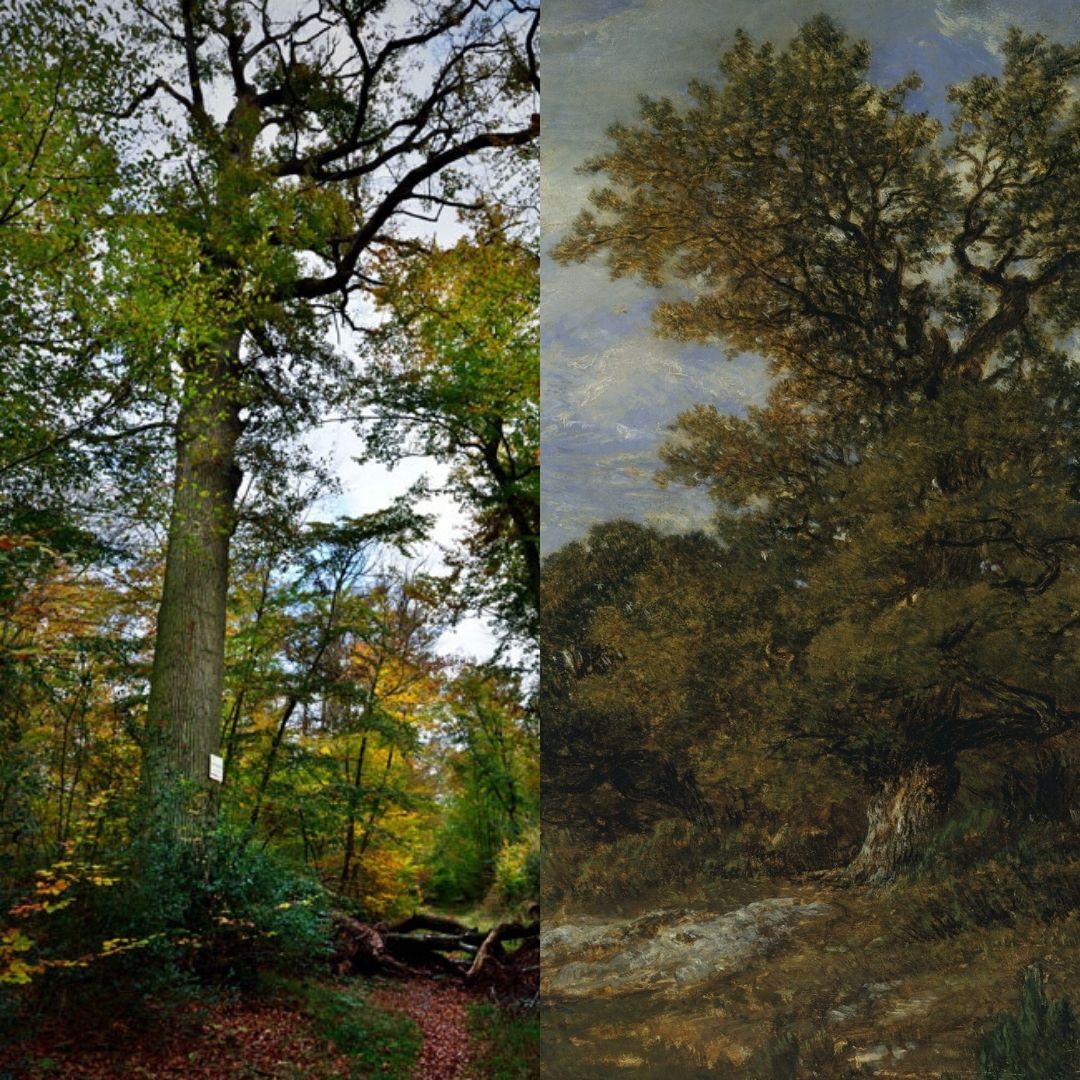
x=900, y=820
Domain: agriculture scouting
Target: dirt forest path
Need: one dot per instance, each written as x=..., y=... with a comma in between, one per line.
x=441, y=1011
x=249, y=1038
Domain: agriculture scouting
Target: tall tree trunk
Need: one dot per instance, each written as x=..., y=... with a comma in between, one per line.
x=529, y=541
x=183, y=722
x=369, y=827
x=901, y=818
x=523, y=513
x=350, y=827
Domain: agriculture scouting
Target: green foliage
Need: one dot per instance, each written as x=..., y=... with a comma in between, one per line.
x=170, y=275
x=166, y=916
x=488, y=842
x=893, y=584
x=66, y=401
x=383, y=1045
x=460, y=871
x=517, y=869
x=455, y=375
x=252, y=909
x=506, y=1042
x=1041, y=1041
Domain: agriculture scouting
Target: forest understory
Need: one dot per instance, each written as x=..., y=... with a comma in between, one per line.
x=414, y=1009
x=394, y=1029
x=750, y=907
x=258, y=696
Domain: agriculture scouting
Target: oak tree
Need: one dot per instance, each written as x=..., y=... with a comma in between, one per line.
x=910, y=484
x=286, y=148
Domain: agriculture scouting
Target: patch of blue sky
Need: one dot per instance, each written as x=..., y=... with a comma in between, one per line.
x=604, y=373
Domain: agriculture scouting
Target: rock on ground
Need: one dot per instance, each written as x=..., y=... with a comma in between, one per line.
x=666, y=952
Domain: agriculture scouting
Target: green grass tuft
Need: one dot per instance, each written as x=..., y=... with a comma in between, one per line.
x=506, y=1042
x=382, y=1044
x=1039, y=1042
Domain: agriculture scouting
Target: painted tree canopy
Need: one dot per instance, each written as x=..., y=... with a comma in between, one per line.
x=901, y=515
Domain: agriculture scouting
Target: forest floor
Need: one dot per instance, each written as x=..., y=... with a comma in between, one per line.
x=419, y=1028
x=875, y=984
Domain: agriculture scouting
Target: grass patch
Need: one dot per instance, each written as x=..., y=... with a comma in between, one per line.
x=468, y=913
x=1039, y=1042
x=380, y=1043
x=506, y=1041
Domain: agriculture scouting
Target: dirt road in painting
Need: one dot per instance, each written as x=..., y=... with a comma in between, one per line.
x=664, y=952
x=811, y=982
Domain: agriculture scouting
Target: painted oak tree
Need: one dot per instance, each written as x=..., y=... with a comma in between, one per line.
x=296, y=141
x=911, y=480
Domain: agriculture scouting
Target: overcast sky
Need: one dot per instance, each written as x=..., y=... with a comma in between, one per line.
x=610, y=387
x=372, y=486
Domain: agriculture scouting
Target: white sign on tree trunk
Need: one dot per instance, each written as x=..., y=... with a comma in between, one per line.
x=217, y=768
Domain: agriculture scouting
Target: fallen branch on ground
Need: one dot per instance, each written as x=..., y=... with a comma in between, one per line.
x=475, y=956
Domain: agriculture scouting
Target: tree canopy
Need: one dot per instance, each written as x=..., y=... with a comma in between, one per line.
x=455, y=375
x=202, y=206
x=906, y=499
x=214, y=192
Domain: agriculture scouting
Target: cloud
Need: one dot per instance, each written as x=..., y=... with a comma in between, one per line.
x=603, y=370
x=988, y=21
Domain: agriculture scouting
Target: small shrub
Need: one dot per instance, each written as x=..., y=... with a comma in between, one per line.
x=250, y=910
x=517, y=870
x=162, y=920
x=1041, y=1041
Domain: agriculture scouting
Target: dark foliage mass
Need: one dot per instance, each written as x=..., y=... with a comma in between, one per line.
x=892, y=585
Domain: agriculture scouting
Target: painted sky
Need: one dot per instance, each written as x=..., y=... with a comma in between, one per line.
x=609, y=386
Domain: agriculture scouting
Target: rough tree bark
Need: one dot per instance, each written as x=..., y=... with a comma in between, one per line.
x=900, y=820
x=524, y=514
x=350, y=826
x=183, y=723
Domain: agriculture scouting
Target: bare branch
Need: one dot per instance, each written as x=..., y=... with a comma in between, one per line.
x=311, y=287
